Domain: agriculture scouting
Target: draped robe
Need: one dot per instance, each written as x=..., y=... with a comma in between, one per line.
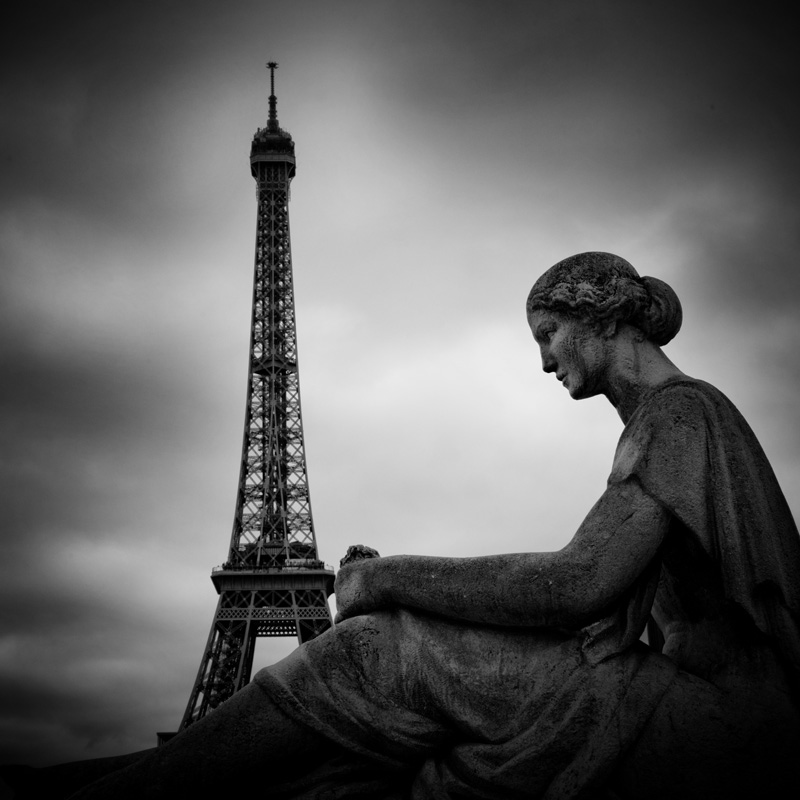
x=442, y=708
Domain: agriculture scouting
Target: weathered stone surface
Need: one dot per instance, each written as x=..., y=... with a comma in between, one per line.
x=524, y=675
x=358, y=552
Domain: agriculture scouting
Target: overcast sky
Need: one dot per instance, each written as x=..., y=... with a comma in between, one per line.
x=448, y=153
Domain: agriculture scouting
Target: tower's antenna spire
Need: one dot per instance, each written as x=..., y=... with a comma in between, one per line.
x=272, y=122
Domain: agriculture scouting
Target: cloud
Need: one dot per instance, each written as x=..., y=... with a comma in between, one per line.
x=447, y=154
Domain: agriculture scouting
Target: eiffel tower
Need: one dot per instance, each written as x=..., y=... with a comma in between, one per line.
x=272, y=583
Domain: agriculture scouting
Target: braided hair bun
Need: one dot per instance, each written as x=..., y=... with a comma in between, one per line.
x=601, y=287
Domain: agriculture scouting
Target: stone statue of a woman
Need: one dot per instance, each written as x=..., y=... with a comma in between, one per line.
x=523, y=675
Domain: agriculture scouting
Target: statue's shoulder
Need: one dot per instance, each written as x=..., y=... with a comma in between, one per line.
x=670, y=432
x=685, y=386
x=685, y=432
x=684, y=402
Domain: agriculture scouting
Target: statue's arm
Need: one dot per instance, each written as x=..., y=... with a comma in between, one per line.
x=566, y=588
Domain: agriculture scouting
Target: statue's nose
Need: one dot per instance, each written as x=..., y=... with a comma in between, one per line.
x=548, y=362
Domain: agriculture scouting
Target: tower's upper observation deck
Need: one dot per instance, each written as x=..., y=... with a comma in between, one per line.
x=271, y=143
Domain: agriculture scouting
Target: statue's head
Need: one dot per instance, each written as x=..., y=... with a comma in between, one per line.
x=602, y=288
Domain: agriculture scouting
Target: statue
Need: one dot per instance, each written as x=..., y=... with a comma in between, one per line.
x=524, y=675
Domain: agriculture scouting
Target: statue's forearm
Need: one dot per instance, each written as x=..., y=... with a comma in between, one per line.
x=567, y=588
x=524, y=589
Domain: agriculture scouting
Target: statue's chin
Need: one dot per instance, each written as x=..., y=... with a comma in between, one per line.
x=575, y=392
x=581, y=389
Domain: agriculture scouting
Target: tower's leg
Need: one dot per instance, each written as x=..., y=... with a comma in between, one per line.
x=313, y=614
x=242, y=617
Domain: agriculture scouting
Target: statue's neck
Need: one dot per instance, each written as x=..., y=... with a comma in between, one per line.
x=638, y=369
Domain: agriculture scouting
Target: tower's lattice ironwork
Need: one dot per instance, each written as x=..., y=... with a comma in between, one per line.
x=273, y=583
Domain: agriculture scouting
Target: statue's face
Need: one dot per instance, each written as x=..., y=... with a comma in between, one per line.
x=574, y=350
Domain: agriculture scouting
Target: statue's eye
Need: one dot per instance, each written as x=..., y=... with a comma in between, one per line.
x=544, y=332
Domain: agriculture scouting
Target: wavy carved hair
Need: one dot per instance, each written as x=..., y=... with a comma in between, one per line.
x=600, y=287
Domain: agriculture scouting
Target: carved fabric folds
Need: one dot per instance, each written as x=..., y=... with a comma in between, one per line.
x=692, y=451
x=464, y=711
x=452, y=710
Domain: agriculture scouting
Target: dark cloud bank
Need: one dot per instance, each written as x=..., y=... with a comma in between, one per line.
x=598, y=111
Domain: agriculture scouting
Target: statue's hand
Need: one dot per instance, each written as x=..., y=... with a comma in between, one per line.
x=358, y=552
x=356, y=587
